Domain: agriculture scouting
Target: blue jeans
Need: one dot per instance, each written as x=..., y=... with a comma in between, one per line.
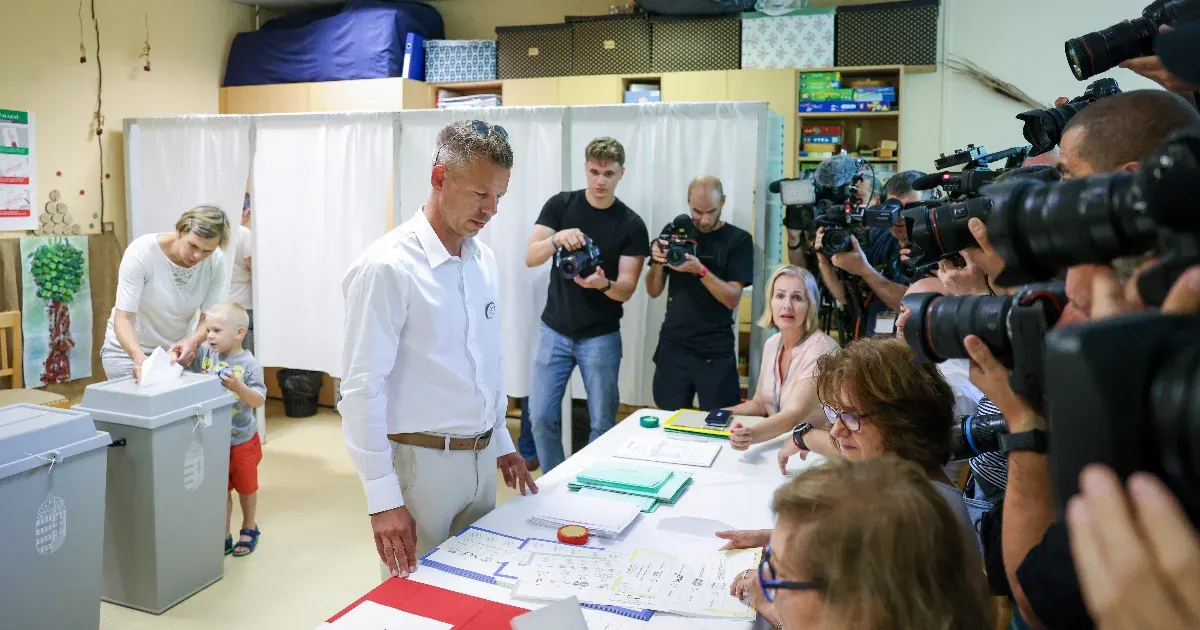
x=599, y=360
x=525, y=445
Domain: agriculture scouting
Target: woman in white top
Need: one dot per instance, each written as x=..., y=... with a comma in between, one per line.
x=164, y=280
x=785, y=395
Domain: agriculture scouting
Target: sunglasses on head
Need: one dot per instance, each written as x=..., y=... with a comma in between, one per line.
x=482, y=130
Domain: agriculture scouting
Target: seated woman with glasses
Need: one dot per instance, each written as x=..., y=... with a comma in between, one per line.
x=866, y=545
x=786, y=395
x=880, y=402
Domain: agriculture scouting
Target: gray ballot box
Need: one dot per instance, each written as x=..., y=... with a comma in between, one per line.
x=51, y=517
x=164, y=526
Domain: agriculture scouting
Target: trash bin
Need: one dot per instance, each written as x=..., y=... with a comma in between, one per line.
x=301, y=390
x=52, y=465
x=164, y=527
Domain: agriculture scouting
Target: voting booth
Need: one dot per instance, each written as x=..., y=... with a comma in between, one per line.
x=168, y=477
x=52, y=464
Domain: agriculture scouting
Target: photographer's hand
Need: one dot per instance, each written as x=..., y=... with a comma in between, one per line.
x=991, y=377
x=983, y=256
x=596, y=281
x=691, y=265
x=1152, y=68
x=1138, y=557
x=854, y=261
x=658, y=252
x=966, y=280
x=571, y=238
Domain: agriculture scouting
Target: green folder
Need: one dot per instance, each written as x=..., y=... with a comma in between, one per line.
x=625, y=476
x=669, y=493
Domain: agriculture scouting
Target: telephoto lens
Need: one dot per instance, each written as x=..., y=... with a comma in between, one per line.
x=1100, y=51
x=976, y=435
x=835, y=241
x=943, y=230
x=1044, y=127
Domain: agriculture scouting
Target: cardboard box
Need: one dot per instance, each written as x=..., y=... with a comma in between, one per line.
x=821, y=130
x=821, y=139
x=819, y=148
x=643, y=96
x=835, y=107
x=819, y=77
x=828, y=95
x=885, y=94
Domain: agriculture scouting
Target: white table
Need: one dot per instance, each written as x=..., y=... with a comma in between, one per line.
x=736, y=491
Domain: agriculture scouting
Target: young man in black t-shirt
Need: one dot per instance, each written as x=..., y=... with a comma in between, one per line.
x=582, y=321
x=696, y=353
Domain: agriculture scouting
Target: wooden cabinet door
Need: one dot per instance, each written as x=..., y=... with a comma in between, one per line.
x=531, y=92
x=684, y=87
x=600, y=89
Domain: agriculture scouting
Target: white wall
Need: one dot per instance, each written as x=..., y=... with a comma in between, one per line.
x=1018, y=41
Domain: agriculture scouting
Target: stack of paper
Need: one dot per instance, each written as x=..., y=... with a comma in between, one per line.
x=469, y=101
x=602, y=517
x=670, y=451
x=660, y=485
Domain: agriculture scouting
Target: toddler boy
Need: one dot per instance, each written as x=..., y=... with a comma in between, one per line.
x=222, y=354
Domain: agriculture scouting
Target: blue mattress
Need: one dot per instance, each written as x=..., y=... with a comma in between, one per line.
x=362, y=39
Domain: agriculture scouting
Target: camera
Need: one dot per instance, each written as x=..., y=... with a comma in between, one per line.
x=1143, y=416
x=1100, y=51
x=1013, y=327
x=940, y=231
x=580, y=262
x=1040, y=229
x=1044, y=127
x=678, y=235
x=976, y=435
x=975, y=174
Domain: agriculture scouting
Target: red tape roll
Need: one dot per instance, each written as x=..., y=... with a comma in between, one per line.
x=573, y=534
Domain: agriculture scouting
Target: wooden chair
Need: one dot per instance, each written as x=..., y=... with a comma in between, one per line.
x=11, y=363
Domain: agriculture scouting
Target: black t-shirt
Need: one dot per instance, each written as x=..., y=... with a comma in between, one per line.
x=883, y=251
x=1047, y=575
x=695, y=319
x=572, y=310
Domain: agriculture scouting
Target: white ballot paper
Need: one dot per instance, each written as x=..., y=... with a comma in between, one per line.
x=696, y=585
x=549, y=577
x=669, y=451
x=158, y=369
x=372, y=616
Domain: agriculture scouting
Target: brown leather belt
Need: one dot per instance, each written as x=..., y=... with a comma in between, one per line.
x=442, y=442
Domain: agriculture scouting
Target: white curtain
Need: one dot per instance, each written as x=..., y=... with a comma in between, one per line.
x=666, y=145
x=536, y=136
x=320, y=198
x=176, y=164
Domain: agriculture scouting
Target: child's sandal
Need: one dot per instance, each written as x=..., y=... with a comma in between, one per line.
x=246, y=545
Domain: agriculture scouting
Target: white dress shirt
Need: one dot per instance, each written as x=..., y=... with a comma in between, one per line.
x=422, y=350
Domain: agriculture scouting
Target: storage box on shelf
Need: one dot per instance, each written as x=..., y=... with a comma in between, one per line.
x=858, y=34
x=855, y=110
x=800, y=39
x=610, y=44
x=541, y=50
x=693, y=44
x=451, y=60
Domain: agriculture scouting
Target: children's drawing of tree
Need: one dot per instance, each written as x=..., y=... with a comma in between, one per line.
x=58, y=273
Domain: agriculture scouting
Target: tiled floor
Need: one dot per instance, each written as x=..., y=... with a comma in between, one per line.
x=316, y=554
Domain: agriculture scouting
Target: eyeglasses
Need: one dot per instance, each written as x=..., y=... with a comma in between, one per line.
x=768, y=583
x=852, y=421
x=482, y=130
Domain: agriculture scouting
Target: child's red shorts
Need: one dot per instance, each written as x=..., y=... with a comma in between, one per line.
x=243, y=466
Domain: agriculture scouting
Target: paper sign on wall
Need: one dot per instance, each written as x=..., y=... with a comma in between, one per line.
x=18, y=171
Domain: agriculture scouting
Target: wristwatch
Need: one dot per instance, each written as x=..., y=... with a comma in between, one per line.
x=605, y=289
x=1033, y=440
x=798, y=435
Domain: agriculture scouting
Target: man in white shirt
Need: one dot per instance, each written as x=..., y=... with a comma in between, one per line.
x=423, y=400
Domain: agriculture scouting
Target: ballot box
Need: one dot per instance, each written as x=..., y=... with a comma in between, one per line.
x=52, y=465
x=168, y=476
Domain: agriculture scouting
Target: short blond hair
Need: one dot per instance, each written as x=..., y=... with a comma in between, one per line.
x=207, y=222
x=231, y=313
x=883, y=547
x=605, y=149
x=812, y=297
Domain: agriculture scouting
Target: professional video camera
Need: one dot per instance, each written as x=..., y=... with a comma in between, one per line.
x=679, y=235
x=975, y=174
x=1012, y=326
x=835, y=208
x=1041, y=229
x=1102, y=50
x=1044, y=127
x=580, y=262
x=976, y=435
x=1143, y=415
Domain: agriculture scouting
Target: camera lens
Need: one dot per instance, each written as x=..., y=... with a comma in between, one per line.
x=568, y=267
x=1103, y=50
x=835, y=241
x=937, y=325
x=1040, y=229
x=976, y=435
x=1175, y=402
x=943, y=230
x=675, y=256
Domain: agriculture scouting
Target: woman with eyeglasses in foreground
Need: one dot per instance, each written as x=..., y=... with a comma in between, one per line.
x=880, y=402
x=868, y=545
